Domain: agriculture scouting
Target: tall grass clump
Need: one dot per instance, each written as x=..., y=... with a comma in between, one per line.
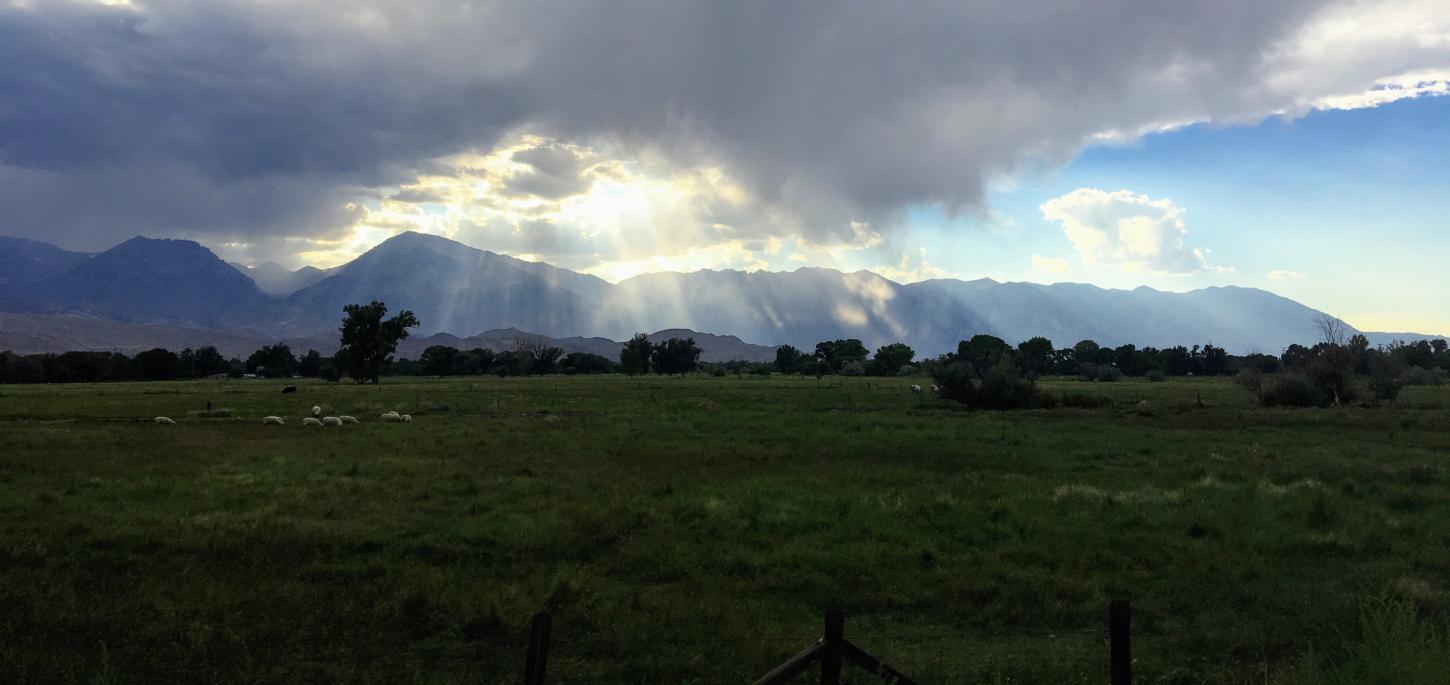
x=1394, y=646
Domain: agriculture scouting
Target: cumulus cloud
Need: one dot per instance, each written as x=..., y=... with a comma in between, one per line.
x=1052, y=265
x=909, y=270
x=796, y=120
x=1279, y=275
x=1126, y=229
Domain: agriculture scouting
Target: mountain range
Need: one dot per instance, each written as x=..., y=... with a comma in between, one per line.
x=172, y=290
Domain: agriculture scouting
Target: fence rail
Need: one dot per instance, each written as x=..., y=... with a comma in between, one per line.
x=832, y=651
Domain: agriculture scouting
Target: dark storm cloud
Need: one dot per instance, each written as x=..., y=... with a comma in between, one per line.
x=203, y=119
x=417, y=195
x=236, y=120
x=554, y=173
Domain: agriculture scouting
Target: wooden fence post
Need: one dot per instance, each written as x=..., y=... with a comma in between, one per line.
x=831, y=657
x=1120, y=646
x=538, y=657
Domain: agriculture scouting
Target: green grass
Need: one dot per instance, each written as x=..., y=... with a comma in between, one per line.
x=692, y=530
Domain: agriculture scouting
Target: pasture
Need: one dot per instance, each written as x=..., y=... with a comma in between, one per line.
x=692, y=530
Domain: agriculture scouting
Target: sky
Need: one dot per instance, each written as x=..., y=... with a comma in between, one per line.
x=1297, y=146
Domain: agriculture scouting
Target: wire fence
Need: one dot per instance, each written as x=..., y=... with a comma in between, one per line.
x=696, y=655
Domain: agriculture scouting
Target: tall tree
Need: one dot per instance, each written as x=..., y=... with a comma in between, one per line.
x=546, y=360
x=1035, y=356
x=310, y=365
x=272, y=361
x=1087, y=352
x=205, y=361
x=676, y=356
x=981, y=353
x=890, y=358
x=158, y=364
x=1332, y=331
x=634, y=358
x=838, y=353
x=439, y=360
x=368, y=340
x=788, y=359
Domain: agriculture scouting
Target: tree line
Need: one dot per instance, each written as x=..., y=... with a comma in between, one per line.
x=1037, y=356
x=366, y=346
x=528, y=356
x=984, y=370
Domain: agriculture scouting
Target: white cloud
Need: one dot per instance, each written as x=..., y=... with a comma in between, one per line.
x=1365, y=53
x=1126, y=229
x=1052, y=265
x=910, y=271
x=1279, y=275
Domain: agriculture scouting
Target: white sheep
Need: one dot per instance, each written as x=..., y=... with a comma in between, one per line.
x=935, y=390
x=273, y=420
x=309, y=421
x=915, y=389
x=164, y=421
x=391, y=417
x=316, y=410
x=407, y=418
x=347, y=419
x=331, y=421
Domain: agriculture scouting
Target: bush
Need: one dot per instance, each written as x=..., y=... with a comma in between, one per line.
x=1290, y=391
x=1394, y=645
x=1082, y=400
x=1252, y=380
x=1416, y=375
x=853, y=369
x=1105, y=373
x=1003, y=388
x=1332, y=375
x=1157, y=376
x=1384, y=380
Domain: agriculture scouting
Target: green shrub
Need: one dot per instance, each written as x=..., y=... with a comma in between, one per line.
x=1156, y=376
x=1004, y=386
x=1252, y=380
x=1394, y=646
x=1289, y=390
x=1416, y=375
x=1106, y=373
x=1082, y=400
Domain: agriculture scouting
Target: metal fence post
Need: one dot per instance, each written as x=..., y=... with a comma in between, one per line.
x=534, y=665
x=1120, y=646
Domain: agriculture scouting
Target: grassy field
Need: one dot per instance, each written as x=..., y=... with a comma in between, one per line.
x=692, y=530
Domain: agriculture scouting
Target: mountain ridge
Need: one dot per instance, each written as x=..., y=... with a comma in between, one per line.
x=453, y=287
x=25, y=333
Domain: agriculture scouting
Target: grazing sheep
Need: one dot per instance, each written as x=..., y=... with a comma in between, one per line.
x=309, y=421
x=915, y=389
x=331, y=421
x=407, y=418
x=935, y=390
x=391, y=417
x=271, y=420
x=347, y=419
x=316, y=410
x=289, y=390
x=164, y=421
